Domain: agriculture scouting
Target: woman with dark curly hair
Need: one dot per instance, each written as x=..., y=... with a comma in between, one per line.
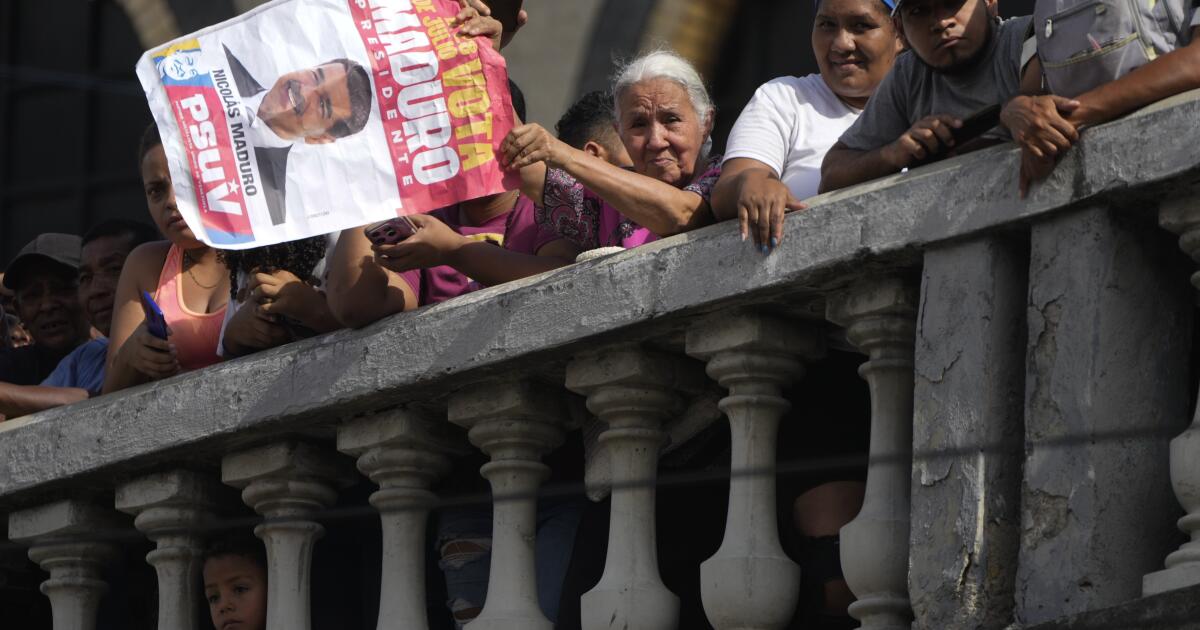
x=277, y=296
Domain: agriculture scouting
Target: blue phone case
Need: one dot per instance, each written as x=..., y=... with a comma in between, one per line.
x=155, y=322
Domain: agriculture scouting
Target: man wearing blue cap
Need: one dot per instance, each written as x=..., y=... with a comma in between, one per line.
x=962, y=60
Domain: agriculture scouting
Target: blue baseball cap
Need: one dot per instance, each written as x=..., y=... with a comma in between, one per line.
x=890, y=4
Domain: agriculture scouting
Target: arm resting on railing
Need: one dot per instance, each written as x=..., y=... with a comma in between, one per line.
x=1173, y=73
x=359, y=291
x=19, y=400
x=655, y=205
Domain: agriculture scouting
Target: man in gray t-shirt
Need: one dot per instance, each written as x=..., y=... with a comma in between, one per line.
x=961, y=60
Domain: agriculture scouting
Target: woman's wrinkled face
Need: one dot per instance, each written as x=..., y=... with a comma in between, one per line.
x=855, y=44
x=661, y=130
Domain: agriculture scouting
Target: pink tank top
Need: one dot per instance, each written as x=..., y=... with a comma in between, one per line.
x=194, y=334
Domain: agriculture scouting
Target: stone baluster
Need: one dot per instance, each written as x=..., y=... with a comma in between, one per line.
x=169, y=507
x=64, y=542
x=514, y=423
x=750, y=583
x=880, y=319
x=287, y=483
x=403, y=454
x=1182, y=216
x=634, y=393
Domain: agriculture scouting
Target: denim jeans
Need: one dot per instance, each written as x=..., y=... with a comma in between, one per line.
x=464, y=544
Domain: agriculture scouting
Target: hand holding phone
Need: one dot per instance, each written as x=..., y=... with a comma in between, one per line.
x=976, y=125
x=390, y=232
x=156, y=323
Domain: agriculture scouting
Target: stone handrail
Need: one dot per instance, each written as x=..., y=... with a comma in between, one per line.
x=348, y=372
x=852, y=259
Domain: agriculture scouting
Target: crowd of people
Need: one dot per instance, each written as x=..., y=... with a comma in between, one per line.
x=901, y=83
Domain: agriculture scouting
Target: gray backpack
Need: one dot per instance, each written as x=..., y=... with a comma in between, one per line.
x=1085, y=43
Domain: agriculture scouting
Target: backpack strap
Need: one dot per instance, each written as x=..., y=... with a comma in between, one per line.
x=1028, y=51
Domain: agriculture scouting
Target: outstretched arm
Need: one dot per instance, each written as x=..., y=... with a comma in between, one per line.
x=434, y=244
x=19, y=400
x=1175, y=72
x=358, y=290
x=652, y=204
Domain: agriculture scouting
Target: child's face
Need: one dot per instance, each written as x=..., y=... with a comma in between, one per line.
x=236, y=590
x=947, y=34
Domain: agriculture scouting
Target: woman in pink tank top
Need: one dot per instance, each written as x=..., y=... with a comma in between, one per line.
x=186, y=279
x=193, y=334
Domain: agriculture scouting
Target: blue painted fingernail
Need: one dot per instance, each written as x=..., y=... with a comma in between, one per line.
x=763, y=248
x=774, y=242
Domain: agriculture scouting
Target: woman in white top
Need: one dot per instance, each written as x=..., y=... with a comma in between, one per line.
x=774, y=154
x=773, y=160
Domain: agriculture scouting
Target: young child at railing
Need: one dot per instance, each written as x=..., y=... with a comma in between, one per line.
x=235, y=583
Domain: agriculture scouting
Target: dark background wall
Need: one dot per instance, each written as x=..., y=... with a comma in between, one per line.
x=71, y=114
x=71, y=110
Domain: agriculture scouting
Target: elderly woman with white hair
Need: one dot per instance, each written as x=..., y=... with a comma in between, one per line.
x=663, y=117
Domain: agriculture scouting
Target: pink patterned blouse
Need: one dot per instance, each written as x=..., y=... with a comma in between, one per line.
x=571, y=211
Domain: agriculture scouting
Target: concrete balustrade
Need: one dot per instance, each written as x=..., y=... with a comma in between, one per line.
x=287, y=483
x=750, y=583
x=170, y=508
x=634, y=392
x=514, y=423
x=880, y=319
x=63, y=541
x=1099, y=380
x=1182, y=216
x=404, y=454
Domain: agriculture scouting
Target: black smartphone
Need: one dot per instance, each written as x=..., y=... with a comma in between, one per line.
x=973, y=127
x=977, y=124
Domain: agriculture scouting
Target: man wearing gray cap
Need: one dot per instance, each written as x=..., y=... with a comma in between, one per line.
x=43, y=278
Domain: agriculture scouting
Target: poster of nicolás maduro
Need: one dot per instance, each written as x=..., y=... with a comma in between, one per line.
x=304, y=117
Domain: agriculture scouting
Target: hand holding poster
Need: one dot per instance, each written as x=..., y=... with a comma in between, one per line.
x=305, y=117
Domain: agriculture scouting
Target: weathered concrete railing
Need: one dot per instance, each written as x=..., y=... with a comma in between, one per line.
x=1026, y=360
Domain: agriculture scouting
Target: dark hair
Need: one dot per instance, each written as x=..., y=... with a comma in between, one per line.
x=137, y=232
x=589, y=119
x=359, y=86
x=299, y=257
x=150, y=139
x=518, y=100
x=882, y=7
x=237, y=544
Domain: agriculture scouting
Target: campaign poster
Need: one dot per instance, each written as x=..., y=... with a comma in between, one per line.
x=305, y=117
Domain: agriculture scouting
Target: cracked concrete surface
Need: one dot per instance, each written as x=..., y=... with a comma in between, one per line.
x=1109, y=313
x=969, y=375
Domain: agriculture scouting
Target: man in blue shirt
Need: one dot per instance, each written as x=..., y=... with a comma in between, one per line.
x=81, y=373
